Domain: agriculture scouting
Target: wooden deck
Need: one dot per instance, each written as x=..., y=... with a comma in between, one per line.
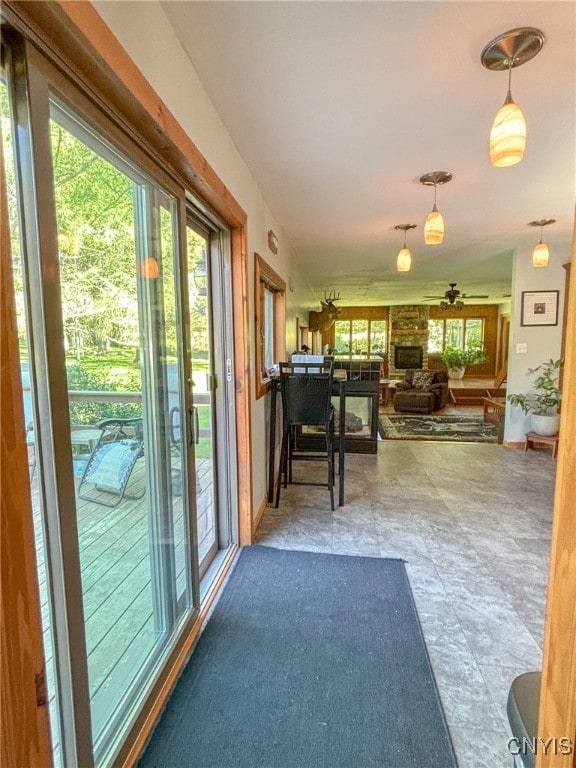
x=115, y=557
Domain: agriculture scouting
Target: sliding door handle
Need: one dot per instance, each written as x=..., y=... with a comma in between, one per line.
x=194, y=426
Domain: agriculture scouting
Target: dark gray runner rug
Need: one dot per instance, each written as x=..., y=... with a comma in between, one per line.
x=308, y=661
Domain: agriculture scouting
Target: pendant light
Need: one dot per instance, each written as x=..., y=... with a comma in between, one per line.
x=541, y=254
x=434, y=227
x=404, y=260
x=509, y=50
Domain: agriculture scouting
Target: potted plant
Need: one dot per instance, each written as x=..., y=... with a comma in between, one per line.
x=543, y=401
x=457, y=360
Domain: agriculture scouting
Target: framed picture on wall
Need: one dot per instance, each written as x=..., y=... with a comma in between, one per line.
x=539, y=308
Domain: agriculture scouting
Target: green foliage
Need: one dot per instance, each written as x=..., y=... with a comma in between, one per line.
x=100, y=283
x=545, y=397
x=474, y=354
x=435, y=335
x=81, y=379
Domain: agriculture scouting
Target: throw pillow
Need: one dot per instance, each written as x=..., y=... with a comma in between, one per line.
x=422, y=379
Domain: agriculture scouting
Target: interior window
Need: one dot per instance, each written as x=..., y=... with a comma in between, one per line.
x=268, y=327
x=461, y=332
x=454, y=336
x=359, y=339
x=435, y=335
x=270, y=306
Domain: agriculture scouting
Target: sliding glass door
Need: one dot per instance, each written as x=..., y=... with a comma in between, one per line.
x=123, y=296
x=211, y=365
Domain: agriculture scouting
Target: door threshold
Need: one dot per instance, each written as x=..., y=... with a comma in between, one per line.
x=211, y=579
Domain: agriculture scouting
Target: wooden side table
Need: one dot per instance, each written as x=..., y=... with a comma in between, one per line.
x=387, y=389
x=533, y=439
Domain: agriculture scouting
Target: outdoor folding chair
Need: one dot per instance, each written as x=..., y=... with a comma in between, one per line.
x=110, y=464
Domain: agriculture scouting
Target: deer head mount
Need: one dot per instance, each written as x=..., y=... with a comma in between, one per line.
x=322, y=321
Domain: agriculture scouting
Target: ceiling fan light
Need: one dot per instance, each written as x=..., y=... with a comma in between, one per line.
x=404, y=260
x=508, y=135
x=540, y=255
x=434, y=228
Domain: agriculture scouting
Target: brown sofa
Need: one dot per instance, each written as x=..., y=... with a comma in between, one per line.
x=413, y=396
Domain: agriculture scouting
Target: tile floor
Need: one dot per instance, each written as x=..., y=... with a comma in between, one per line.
x=473, y=523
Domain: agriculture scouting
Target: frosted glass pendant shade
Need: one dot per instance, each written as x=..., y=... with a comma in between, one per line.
x=434, y=228
x=508, y=135
x=404, y=260
x=540, y=255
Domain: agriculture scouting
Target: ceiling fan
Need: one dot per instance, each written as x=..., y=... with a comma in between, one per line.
x=453, y=296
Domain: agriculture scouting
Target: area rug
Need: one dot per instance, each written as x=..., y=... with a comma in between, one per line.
x=308, y=661
x=471, y=429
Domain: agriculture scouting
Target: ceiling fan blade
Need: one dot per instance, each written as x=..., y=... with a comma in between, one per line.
x=472, y=296
x=434, y=297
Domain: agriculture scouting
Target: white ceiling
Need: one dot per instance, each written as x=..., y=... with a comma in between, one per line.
x=338, y=108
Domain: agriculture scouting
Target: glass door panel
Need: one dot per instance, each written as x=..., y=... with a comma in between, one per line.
x=203, y=379
x=172, y=377
x=118, y=249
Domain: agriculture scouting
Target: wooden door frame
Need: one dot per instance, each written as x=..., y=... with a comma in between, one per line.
x=504, y=340
x=24, y=728
x=558, y=690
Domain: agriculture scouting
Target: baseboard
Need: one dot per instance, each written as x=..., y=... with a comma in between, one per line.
x=259, y=513
x=510, y=444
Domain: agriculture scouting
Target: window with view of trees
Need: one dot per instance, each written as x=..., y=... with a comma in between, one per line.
x=269, y=302
x=459, y=332
x=359, y=338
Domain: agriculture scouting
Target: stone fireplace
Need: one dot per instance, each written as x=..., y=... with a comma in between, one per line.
x=408, y=334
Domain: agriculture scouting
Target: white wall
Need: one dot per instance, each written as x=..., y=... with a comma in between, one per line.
x=542, y=342
x=145, y=33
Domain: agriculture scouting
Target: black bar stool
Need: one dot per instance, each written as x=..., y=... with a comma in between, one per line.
x=306, y=402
